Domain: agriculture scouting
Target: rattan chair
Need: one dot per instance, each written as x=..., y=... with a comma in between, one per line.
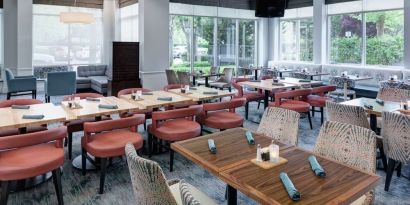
x=351, y=145
x=354, y=115
x=280, y=124
x=396, y=142
x=393, y=94
x=151, y=187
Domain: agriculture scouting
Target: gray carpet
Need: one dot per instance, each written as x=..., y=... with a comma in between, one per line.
x=78, y=189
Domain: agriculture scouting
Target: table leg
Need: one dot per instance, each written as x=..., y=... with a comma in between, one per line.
x=256, y=74
x=311, y=77
x=373, y=122
x=345, y=91
x=206, y=81
x=232, y=196
x=194, y=80
x=266, y=100
x=280, y=75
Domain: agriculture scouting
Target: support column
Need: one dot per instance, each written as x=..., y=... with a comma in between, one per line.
x=263, y=41
x=109, y=24
x=319, y=32
x=406, y=34
x=154, y=42
x=18, y=36
x=274, y=32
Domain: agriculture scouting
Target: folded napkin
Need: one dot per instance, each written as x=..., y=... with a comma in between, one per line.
x=147, y=93
x=314, y=164
x=379, y=101
x=370, y=107
x=93, y=99
x=22, y=107
x=210, y=93
x=290, y=188
x=249, y=137
x=304, y=81
x=33, y=117
x=211, y=145
x=193, y=88
x=278, y=84
x=108, y=106
x=255, y=81
x=165, y=98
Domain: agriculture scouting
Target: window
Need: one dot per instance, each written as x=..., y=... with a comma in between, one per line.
x=203, y=43
x=129, y=23
x=227, y=42
x=181, y=42
x=368, y=32
x=296, y=35
x=56, y=43
x=247, y=43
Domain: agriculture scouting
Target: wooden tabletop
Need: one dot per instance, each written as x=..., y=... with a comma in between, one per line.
x=232, y=149
x=198, y=94
x=342, y=184
x=267, y=85
x=12, y=118
x=377, y=108
x=90, y=108
x=295, y=81
x=355, y=78
x=312, y=73
x=150, y=101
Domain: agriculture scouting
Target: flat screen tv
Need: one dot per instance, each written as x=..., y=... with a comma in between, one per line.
x=270, y=8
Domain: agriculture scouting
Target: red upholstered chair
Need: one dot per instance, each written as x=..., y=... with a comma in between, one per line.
x=221, y=115
x=107, y=139
x=174, y=125
x=147, y=113
x=294, y=100
x=250, y=96
x=9, y=103
x=77, y=125
x=28, y=155
x=319, y=99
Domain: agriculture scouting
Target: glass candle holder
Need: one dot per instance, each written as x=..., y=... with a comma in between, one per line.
x=274, y=153
x=138, y=94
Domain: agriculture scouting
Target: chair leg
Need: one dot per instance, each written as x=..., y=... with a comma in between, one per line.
x=310, y=120
x=382, y=155
x=83, y=160
x=8, y=96
x=57, y=185
x=171, y=160
x=145, y=125
x=390, y=170
x=70, y=145
x=313, y=111
x=230, y=89
x=149, y=145
x=102, y=177
x=322, y=115
x=399, y=170
x=259, y=104
x=246, y=110
x=5, y=186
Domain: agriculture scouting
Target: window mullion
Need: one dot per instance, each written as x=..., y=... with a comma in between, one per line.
x=364, y=39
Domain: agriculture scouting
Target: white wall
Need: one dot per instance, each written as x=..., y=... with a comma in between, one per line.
x=109, y=24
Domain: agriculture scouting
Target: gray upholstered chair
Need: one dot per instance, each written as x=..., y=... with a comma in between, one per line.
x=171, y=77
x=396, y=142
x=393, y=94
x=224, y=81
x=280, y=124
x=60, y=83
x=18, y=84
x=184, y=78
x=151, y=187
x=214, y=70
x=351, y=145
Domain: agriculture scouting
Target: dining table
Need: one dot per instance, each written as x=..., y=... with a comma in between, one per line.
x=255, y=71
x=232, y=163
x=311, y=75
x=152, y=100
x=346, y=78
x=201, y=93
x=281, y=71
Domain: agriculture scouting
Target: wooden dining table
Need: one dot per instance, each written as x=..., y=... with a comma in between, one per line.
x=311, y=75
x=152, y=102
x=232, y=164
x=198, y=94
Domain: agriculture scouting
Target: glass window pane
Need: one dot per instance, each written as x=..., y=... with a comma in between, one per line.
x=203, y=43
x=180, y=30
x=306, y=40
x=226, y=42
x=288, y=38
x=346, y=38
x=246, y=43
x=86, y=46
x=385, y=38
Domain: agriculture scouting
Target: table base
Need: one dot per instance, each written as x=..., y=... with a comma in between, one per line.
x=232, y=195
x=90, y=163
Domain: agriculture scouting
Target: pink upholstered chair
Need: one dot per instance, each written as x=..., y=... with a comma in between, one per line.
x=28, y=155
x=319, y=99
x=9, y=103
x=250, y=96
x=147, y=113
x=221, y=115
x=107, y=139
x=294, y=100
x=174, y=125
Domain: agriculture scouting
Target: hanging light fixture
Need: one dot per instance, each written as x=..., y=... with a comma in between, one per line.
x=76, y=17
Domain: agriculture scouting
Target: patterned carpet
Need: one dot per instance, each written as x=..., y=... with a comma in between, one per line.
x=78, y=189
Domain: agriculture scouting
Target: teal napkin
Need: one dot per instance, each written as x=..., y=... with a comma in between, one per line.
x=211, y=145
x=108, y=106
x=379, y=101
x=370, y=107
x=165, y=98
x=314, y=164
x=290, y=188
x=193, y=88
x=21, y=107
x=147, y=93
x=249, y=137
x=210, y=93
x=33, y=117
x=304, y=81
x=93, y=99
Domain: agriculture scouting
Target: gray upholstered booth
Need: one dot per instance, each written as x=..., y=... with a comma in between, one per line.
x=94, y=77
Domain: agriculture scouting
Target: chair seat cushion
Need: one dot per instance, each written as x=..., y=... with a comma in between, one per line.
x=223, y=120
x=101, y=81
x=318, y=101
x=252, y=96
x=112, y=144
x=198, y=195
x=30, y=161
x=295, y=105
x=16, y=131
x=177, y=130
